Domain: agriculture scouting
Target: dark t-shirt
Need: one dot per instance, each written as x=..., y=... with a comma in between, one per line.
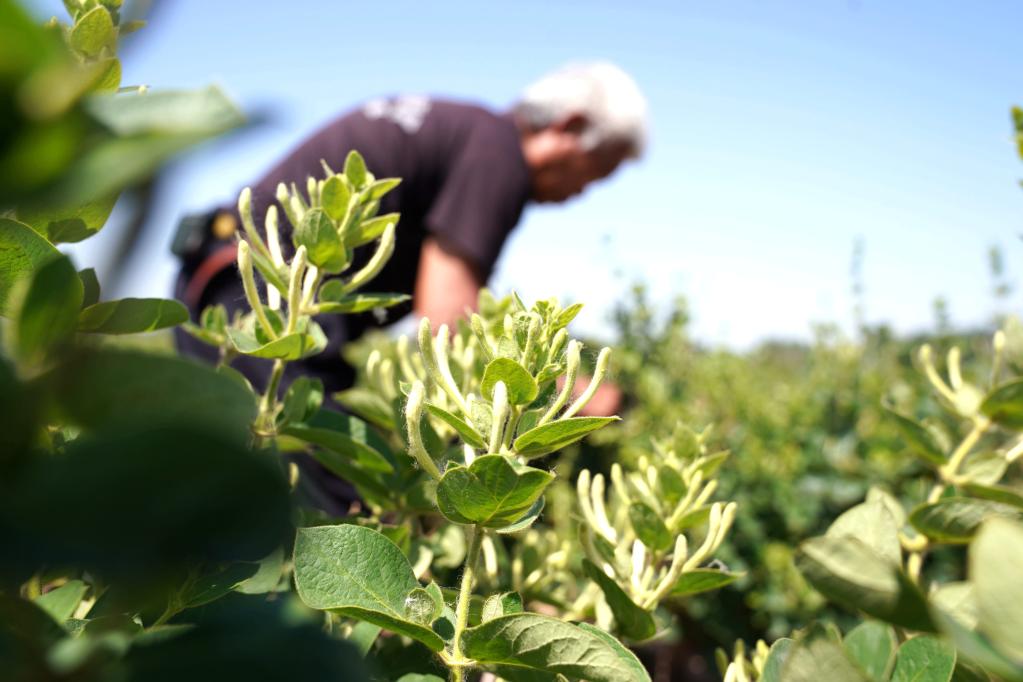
x=464, y=182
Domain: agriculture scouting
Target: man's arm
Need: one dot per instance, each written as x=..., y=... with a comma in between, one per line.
x=445, y=287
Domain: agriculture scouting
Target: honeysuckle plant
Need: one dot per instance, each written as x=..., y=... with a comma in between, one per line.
x=638, y=541
x=337, y=214
x=513, y=406
x=873, y=557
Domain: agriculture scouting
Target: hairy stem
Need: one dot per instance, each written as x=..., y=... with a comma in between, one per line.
x=268, y=403
x=459, y=663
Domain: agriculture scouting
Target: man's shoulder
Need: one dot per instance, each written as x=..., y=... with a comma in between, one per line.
x=413, y=113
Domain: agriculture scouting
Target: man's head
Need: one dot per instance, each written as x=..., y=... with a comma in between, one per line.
x=578, y=124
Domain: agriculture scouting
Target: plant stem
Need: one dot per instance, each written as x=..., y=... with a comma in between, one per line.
x=458, y=663
x=268, y=403
x=951, y=469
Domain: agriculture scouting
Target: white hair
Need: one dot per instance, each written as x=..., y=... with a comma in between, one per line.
x=606, y=96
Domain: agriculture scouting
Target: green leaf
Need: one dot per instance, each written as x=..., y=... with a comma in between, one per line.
x=69, y=223
x=93, y=32
x=918, y=438
x=702, y=580
x=335, y=197
x=685, y=442
x=956, y=600
x=984, y=467
x=131, y=316
x=994, y=565
x=468, y=434
x=956, y=519
x=972, y=646
x=267, y=576
x=302, y=400
x=110, y=386
x=368, y=230
x=22, y=251
x=566, y=316
x=342, y=444
x=924, y=659
x=357, y=572
x=776, y=658
x=61, y=602
x=192, y=112
x=363, y=635
x=816, y=657
x=557, y=435
x=90, y=287
x=368, y=405
x=527, y=520
x=294, y=346
x=213, y=586
x=316, y=232
x=873, y=524
x=46, y=318
x=1004, y=404
x=649, y=527
x=633, y=621
x=378, y=188
x=529, y=640
x=503, y=604
x=492, y=491
x=996, y=493
x=849, y=572
x=360, y=303
x=522, y=389
x=355, y=169
x=872, y=646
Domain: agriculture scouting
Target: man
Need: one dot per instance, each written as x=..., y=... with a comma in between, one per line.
x=467, y=173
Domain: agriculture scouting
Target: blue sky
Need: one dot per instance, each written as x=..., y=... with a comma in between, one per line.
x=782, y=133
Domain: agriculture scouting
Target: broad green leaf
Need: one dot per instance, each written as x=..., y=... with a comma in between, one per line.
x=468, y=434
x=1004, y=404
x=632, y=621
x=685, y=442
x=503, y=604
x=492, y=491
x=294, y=346
x=776, y=658
x=711, y=463
x=131, y=316
x=996, y=493
x=90, y=287
x=956, y=519
x=302, y=399
x=649, y=527
x=359, y=573
x=48, y=309
x=107, y=76
x=109, y=386
x=527, y=520
x=68, y=224
x=994, y=566
x=355, y=169
x=61, y=602
x=368, y=230
x=872, y=645
x=894, y=507
x=918, y=438
x=924, y=659
x=22, y=251
x=558, y=434
x=419, y=677
x=852, y=574
x=190, y=112
x=360, y=303
x=368, y=405
x=529, y=640
x=702, y=580
x=522, y=389
x=871, y=523
x=816, y=657
x=335, y=197
x=93, y=32
x=316, y=232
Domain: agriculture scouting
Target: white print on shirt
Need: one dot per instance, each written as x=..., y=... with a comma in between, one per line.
x=408, y=111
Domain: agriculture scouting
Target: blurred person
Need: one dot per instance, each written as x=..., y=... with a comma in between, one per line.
x=467, y=173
